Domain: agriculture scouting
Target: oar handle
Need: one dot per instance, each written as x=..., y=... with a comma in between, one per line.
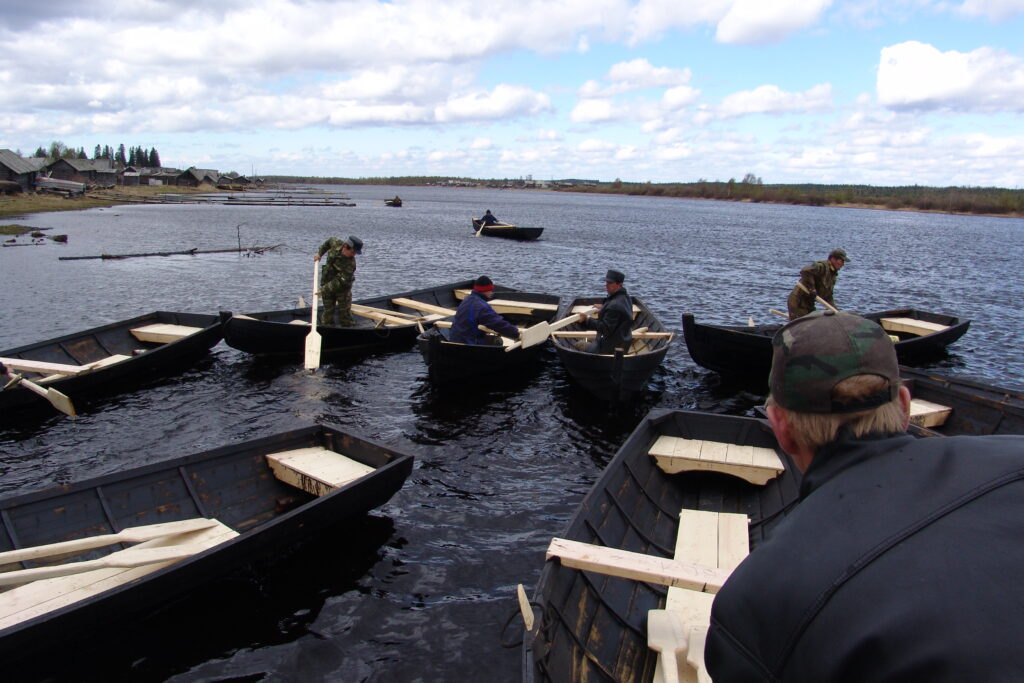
x=825, y=303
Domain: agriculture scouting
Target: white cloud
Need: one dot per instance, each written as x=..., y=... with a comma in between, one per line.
x=760, y=22
x=680, y=96
x=594, y=111
x=915, y=75
x=635, y=75
x=996, y=10
x=482, y=143
x=502, y=102
x=770, y=99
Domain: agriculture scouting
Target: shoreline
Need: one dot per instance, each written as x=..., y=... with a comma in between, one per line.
x=18, y=206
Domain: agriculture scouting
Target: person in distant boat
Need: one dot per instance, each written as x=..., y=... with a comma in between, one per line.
x=474, y=311
x=397, y=199
x=817, y=279
x=336, y=280
x=488, y=218
x=614, y=322
x=900, y=560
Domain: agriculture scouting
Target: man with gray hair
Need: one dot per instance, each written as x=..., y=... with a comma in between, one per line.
x=338, y=276
x=900, y=560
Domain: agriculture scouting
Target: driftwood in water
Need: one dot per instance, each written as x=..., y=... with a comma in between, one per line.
x=187, y=252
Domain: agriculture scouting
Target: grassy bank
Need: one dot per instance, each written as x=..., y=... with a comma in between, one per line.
x=22, y=204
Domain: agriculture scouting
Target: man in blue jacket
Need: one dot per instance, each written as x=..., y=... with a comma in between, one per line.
x=475, y=311
x=900, y=561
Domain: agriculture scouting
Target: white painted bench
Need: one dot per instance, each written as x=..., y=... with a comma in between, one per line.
x=315, y=469
x=45, y=595
x=927, y=414
x=754, y=464
x=163, y=333
x=911, y=326
x=713, y=539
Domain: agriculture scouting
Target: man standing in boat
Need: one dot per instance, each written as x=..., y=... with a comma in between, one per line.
x=817, y=279
x=900, y=560
x=336, y=281
x=475, y=311
x=614, y=323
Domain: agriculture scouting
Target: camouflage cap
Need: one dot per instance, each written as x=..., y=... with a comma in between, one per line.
x=814, y=353
x=839, y=253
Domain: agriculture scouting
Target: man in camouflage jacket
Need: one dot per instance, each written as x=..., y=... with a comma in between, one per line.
x=817, y=279
x=336, y=280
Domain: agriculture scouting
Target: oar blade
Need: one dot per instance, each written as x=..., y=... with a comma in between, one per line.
x=312, y=355
x=61, y=402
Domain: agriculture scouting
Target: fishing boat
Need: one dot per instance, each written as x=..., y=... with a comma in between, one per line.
x=396, y=202
x=506, y=230
x=105, y=359
x=386, y=323
x=192, y=520
x=616, y=376
x=670, y=495
x=469, y=364
x=745, y=352
x=947, y=406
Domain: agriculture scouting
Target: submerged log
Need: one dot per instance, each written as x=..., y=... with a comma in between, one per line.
x=187, y=252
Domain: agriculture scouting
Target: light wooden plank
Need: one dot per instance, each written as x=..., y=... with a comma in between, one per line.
x=31, y=600
x=912, y=326
x=636, y=566
x=43, y=367
x=694, y=455
x=163, y=333
x=424, y=307
x=927, y=414
x=733, y=540
x=590, y=334
x=739, y=455
x=316, y=469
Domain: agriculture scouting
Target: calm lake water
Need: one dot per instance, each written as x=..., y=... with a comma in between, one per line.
x=420, y=589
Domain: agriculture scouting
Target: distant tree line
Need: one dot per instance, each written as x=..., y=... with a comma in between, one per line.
x=980, y=200
x=133, y=156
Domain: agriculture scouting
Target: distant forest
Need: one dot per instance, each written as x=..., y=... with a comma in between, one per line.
x=972, y=200
x=132, y=156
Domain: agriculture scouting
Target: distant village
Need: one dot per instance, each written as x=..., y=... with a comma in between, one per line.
x=74, y=176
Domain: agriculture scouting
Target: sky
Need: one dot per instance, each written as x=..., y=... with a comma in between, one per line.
x=878, y=92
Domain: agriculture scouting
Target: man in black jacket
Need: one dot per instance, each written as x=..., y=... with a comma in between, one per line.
x=614, y=323
x=900, y=561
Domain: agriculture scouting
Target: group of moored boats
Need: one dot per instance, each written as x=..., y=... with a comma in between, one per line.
x=197, y=517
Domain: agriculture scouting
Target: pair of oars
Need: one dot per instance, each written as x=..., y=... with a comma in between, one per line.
x=538, y=334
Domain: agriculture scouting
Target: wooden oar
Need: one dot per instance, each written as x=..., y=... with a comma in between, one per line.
x=817, y=297
x=539, y=333
x=778, y=313
x=424, y=307
x=132, y=535
x=667, y=636
x=57, y=399
x=312, y=361
x=480, y=229
x=132, y=557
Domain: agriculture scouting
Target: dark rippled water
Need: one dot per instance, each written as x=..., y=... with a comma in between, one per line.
x=419, y=590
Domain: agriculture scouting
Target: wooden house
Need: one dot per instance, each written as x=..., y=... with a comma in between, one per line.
x=16, y=169
x=97, y=172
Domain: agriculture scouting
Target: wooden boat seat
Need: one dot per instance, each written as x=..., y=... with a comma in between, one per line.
x=754, y=464
x=163, y=333
x=509, y=306
x=927, y=414
x=102, y=363
x=911, y=326
x=315, y=469
x=423, y=307
x=716, y=539
x=39, y=597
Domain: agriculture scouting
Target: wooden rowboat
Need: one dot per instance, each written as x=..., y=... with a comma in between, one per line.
x=384, y=325
x=393, y=202
x=108, y=358
x=593, y=601
x=225, y=508
x=512, y=232
x=449, y=362
x=745, y=352
x=948, y=406
x=613, y=376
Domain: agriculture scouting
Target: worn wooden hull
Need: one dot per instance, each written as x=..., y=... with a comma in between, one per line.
x=512, y=232
x=233, y=484
x=145, y=360
x=592, y=627
x=613, y=377
x=745, y=352
x=279, y=333
x=977, y=408
x=475, y=365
